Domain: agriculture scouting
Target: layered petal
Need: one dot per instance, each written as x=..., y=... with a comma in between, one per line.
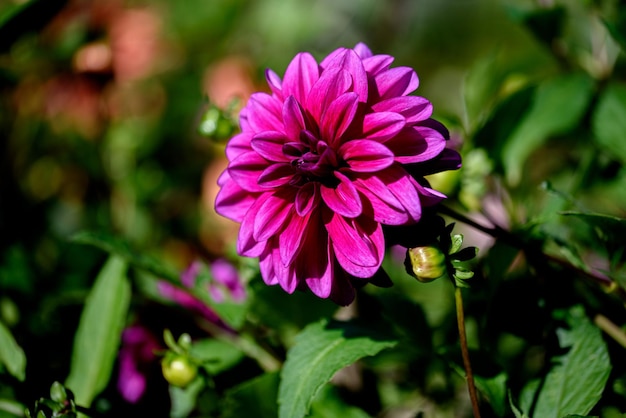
x=365, y=155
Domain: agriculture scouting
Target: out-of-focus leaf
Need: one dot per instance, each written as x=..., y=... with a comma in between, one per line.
x=609, y=121
x=608, y=228
x=15, y=272
x=98, y=336
x=328, y=405
x=617, y=27
x=215, y=355
x=114, y=245
x=322, y=349
x=184, y=399
x=480, y=88
x=494, y=389
x=12, y=356
x=254, y=398
x=26, y=17
x=577, y=378
x=557, y=107
x=546, y=24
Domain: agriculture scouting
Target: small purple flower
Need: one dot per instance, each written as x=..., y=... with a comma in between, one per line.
x=335, y=151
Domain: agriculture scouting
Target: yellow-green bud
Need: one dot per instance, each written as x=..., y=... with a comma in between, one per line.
x=178, y=370
x=427, y=263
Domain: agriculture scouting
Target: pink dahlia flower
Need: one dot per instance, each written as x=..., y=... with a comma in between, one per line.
x=336, y=150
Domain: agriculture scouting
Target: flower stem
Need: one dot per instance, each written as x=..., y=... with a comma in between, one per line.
x=460, y=318
x=247, y=344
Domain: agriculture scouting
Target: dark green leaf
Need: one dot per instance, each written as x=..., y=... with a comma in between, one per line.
x=329, y=405
x=321, y=350
x=98, y=336
x=254, y=398
x=609, y=121
x=12, y=356
x=617, y=27
x=577, y=378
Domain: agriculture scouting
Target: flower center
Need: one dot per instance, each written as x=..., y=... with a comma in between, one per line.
x=313, y=160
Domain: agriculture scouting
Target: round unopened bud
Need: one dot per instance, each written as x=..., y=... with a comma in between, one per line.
x=426, y=263
x=178, y=370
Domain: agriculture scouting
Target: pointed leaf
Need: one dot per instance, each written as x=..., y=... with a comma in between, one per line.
x=322, y=349
x=11, y=354
x=609, y=121
x=557, y=107
x=577, y=378
x=98, y=336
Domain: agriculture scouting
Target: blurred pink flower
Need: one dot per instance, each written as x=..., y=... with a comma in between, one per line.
x=135, y=357
x=225, y=284
x=139, y=345
x=337, y=150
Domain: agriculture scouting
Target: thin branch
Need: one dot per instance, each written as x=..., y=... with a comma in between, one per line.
x=460, y=317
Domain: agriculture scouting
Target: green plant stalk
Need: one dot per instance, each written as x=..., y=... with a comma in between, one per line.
x=247, y=344
x=460, y=318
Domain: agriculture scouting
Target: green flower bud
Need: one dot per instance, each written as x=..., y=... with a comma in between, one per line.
x=178, y=370
x=426, y=263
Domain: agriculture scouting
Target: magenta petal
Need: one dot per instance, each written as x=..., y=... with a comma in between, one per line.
x=428, y=196
x=264, y=112
x=377, y=64
x=344, y=198
x=246, y=169
x=338, y=117
x=291, y=238
x=286, y=275
x=359, y=244
x=322, y=283
x=274, y=214
x=238, y=144
x=413, y=108
x=293, y=118
x=247, y=245
x=386, y=208
x=266, y=266
x=301, y=74
x=275, y=83
x=232, y=201
x=348, y=60
x=400, y=183
x=416, y=144
x=269, y=145
x=398, y=81
x=331, y=84
x=276, y=175
x=362, y=50
x=364, y=155
x=307, y=198
x=381, y=126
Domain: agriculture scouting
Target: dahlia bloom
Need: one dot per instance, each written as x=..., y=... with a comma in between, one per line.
x=335, y=151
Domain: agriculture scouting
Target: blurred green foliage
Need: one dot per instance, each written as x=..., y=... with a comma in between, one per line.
x=113, y=116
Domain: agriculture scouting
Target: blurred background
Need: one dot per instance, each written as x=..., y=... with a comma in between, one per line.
x=114, y=114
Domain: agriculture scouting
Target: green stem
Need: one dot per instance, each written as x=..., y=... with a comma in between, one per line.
x=247, y=344
x=531, y=252
x=460, y=318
